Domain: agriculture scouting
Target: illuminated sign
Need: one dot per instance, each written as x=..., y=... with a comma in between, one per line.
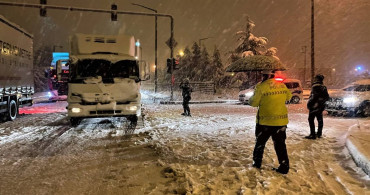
x=59, y=56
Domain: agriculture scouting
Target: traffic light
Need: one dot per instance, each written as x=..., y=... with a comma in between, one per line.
x=174, y=62
x=43, y=9
x=113, y=15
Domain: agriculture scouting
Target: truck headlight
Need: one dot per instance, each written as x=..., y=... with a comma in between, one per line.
x=349, y=100
x=132, y=108
x=76, y=110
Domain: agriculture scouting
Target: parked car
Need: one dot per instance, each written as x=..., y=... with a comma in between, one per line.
x=294, y=85
x=353, y=99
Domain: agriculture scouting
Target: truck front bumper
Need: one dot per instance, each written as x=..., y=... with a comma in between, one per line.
x=103, y=110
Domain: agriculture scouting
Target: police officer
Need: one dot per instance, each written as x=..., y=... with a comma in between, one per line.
x=186, y=96
x=316, y=105
x=271, y=120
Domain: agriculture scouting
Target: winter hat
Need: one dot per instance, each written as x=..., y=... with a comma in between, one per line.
x=268, y=72
x=319, y=77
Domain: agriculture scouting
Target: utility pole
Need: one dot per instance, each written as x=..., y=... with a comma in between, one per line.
x=155, y=46
x=312, y=41
x=304, y=50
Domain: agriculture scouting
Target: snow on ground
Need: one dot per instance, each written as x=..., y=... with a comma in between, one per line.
x=209, y=153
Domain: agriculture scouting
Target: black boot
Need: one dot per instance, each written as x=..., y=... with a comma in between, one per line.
x=281, y=169
x=310, y=137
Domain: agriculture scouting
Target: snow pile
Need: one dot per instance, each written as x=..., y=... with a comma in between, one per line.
x=358, y=144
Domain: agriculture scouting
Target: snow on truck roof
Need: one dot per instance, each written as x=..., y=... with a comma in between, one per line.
x=15, y=26
x=112, y=58
x=90, y=44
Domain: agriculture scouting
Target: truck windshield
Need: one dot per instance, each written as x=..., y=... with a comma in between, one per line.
x=106, y=69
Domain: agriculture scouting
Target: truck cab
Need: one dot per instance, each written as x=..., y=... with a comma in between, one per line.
x=104, y=78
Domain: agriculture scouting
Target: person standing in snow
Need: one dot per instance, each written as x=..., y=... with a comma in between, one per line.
x=186, y=96
x=316, y=105
x=271, y=120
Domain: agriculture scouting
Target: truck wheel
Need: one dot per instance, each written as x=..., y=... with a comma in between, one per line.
x=75, y=121
x=12, y=110
x=295, y=100
x=364, y=109
x=131, y=124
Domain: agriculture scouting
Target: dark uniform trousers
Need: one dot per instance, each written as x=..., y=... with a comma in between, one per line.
x=278, y=134
x=320, y=122
x=185, y=104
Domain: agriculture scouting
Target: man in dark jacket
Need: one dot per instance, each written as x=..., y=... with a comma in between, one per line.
x=316, y=105
x=186, y=96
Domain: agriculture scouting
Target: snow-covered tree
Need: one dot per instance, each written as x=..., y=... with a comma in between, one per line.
x=185, y=65
x=249, y=45
x=217, y=68
x=42, y=60
x=195, y=61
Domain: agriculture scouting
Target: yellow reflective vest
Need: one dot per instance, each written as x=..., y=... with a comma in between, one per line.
x=270, y=97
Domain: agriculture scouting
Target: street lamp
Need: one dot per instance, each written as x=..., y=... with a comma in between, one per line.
x=155, y=45
x=181, y=53
x=200, y=41
x=138, y=45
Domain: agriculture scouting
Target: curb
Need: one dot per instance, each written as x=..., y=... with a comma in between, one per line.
x=199, y=102
x=359, y=158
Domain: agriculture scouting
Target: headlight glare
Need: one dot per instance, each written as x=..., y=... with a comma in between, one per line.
x=132, y=108
x=76, y=110
x=349, y=100
x=249, y=93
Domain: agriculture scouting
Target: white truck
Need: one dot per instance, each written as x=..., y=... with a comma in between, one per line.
x=16, y=69
x=105, y=78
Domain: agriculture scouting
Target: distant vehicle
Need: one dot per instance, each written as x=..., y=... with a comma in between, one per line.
x=105, y=78
x=353, y=99
x=294, y=85
x=16, y=69
x=58, y=75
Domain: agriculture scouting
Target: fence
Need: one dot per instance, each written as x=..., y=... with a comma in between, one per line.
x=203, y=87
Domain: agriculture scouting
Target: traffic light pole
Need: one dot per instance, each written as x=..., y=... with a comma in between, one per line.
x=80, y=9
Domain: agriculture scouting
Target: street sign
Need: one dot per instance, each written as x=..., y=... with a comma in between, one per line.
x=171, y=43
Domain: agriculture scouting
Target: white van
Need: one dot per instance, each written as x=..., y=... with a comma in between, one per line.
x=294, y=85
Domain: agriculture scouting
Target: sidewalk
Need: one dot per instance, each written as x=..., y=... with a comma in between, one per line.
x=358, y=144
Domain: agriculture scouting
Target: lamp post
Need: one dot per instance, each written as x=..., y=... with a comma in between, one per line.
x=155, y=46
x=312, y=41
x=304, y=50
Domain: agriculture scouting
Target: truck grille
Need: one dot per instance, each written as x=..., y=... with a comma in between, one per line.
x=106, y=112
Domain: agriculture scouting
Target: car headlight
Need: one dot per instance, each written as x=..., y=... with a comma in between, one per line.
x=249, y=93
x=132, y=108
x=76, y=110
x=349, y=100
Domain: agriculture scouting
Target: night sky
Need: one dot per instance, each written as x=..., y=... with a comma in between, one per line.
x=342, y=26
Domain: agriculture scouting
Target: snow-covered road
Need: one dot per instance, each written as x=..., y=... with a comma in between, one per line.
x=209, y=153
